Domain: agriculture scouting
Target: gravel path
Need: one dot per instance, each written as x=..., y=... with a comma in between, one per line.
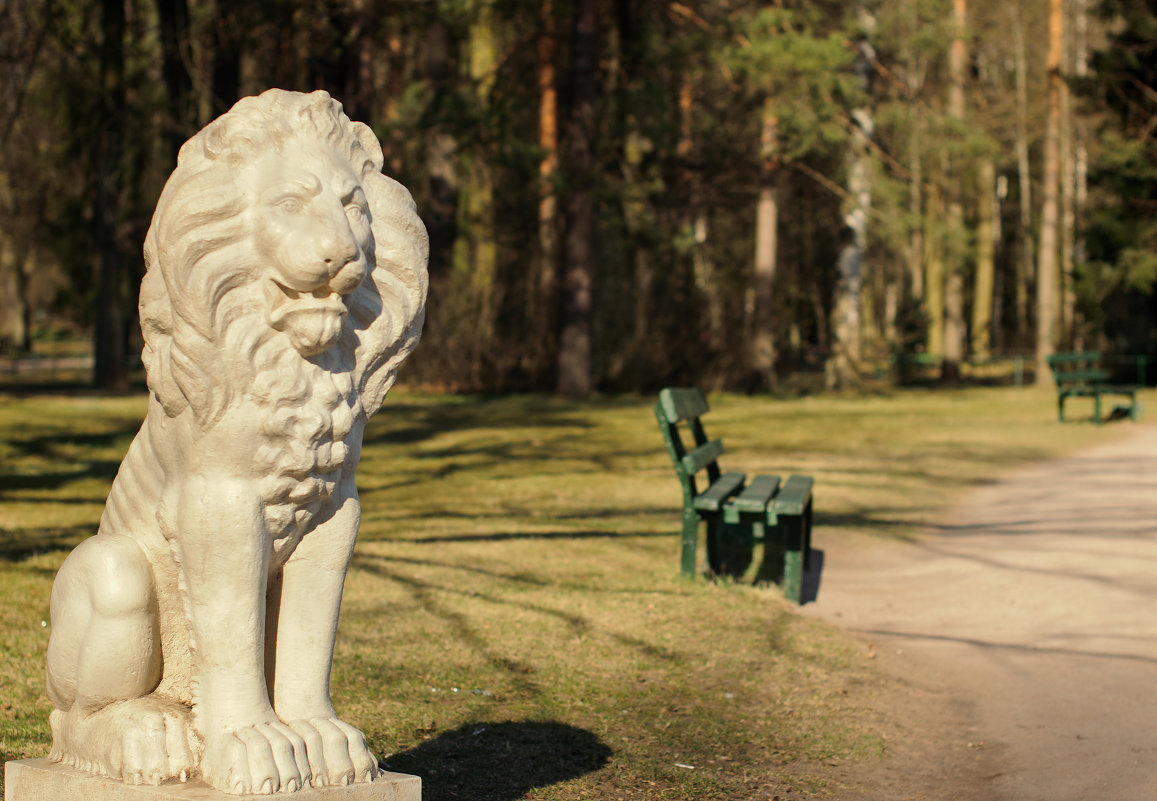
x=1029, y=622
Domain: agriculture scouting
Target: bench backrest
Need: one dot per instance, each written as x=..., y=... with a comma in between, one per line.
x=1070, y=369
x=687, y=406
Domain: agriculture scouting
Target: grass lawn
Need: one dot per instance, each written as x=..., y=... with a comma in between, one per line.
x=514, y=625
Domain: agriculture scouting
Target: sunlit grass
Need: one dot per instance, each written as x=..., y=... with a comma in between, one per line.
x=514, y=626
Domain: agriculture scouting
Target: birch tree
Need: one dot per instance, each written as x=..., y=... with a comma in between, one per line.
x=1047, y=267
x=766, y=243
x=841, y=368
x=954, y=278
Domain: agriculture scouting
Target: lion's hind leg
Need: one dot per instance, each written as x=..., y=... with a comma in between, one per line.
x=104, y=660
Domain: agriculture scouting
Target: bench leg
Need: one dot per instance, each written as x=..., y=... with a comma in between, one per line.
x=807, y=537
x=793, y=558
x=1097, y=408
x=1061, y=409
x=690, y=540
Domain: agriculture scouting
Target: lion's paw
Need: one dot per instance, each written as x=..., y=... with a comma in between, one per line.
x=338, y=754
x=142, y=741
x=263, y=759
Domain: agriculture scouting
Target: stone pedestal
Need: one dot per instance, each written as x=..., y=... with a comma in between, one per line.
x=41, y=780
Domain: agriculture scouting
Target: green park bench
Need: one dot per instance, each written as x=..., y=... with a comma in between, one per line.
x=738, y=513
x=1082, y=375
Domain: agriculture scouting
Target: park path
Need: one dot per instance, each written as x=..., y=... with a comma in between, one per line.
x=1033, y=610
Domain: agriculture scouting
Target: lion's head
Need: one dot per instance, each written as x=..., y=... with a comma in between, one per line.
x=277, y=232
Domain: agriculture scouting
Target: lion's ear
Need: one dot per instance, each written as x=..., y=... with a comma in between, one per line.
x=213, y=138
x=369, y=143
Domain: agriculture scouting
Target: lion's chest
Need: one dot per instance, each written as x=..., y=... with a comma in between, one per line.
x=304, y=456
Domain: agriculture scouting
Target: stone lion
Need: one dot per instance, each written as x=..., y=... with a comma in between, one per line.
x=285, y=283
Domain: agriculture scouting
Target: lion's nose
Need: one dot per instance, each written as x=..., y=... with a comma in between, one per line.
x=341, y=251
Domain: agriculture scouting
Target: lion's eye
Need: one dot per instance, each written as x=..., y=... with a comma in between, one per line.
x=290, y=205
x=355, y=212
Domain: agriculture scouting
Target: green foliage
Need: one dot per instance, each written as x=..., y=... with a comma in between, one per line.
x=1119, y=280
x=804, y=72
x=678, y=159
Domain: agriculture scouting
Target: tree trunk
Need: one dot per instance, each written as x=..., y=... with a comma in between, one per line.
x=762, y=331
x=693, y=220
x=953, y=303
x=842, y=367
x=1000, y=264
x=1026, y=262
x=916, y=209
x=1080, y=155
x=226, y=74
x=914, y=83
x=982, y=302
x=14, y=262
x=934, y=271
x=1067, y=234
x=395, y=88
x=574, y=353
x=547, y=299
x=441, y=154
x=176, y=57
x=954, y=283
x=110, y=369
x=636, y=210
x=476, y=208
x=1046, y=295
x=24, y=269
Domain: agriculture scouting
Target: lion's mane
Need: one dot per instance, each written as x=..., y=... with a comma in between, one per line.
x=205, y=336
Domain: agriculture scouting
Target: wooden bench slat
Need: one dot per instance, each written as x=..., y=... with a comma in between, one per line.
x=1080, y=376
x=1071, y=358
x=755, y=496
x=723, y=488
x=702, y=456
x=1098, y=389
x=681, y=404
x=793, y=497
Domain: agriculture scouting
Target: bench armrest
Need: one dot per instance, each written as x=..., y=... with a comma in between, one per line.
x=701, y=457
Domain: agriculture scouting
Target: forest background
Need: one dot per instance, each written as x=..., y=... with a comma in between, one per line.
x=623, y=194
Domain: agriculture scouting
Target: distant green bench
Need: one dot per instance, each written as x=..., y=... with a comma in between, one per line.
x=738, y=513
x=1082, y=375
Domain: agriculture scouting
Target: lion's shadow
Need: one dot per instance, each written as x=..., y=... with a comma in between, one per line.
x=500, y=761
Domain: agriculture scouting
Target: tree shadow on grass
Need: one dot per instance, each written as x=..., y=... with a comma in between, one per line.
x=405, y=422
x=500, y=761
x=16, y=545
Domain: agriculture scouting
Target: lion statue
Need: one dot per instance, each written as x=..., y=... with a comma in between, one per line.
x=193, y=634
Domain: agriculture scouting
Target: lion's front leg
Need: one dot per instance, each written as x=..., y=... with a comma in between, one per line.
x=224, y=552
x=308, y=601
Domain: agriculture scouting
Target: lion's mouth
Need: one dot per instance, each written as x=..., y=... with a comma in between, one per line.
x=322, y=300
x=313, y=320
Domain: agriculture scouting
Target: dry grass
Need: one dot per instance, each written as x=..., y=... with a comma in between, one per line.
x=514, y=626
